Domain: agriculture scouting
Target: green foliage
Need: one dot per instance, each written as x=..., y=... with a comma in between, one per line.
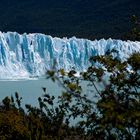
x=135, y=29
x=114, y=115
x=119, y=103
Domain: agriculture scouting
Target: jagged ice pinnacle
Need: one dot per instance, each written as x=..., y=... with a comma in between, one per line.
x=26, y=55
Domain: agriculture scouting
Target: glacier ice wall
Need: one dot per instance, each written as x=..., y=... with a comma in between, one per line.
x=31, y=54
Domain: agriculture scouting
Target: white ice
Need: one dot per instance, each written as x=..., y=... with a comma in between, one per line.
x=29, y=55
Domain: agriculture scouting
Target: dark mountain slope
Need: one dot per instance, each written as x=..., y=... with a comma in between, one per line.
x=82, y=18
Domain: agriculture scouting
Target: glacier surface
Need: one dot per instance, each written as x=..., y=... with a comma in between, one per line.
x=29, y=55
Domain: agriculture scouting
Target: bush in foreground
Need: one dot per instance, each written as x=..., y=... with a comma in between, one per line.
x=114, y=115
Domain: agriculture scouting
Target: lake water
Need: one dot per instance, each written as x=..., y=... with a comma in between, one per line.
x=30, y=90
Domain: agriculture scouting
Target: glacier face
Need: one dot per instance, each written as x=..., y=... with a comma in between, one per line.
x=22, y=56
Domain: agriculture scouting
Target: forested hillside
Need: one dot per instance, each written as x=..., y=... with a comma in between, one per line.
x=82, y=18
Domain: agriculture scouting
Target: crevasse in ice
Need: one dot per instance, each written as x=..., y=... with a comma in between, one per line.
x=32, y=54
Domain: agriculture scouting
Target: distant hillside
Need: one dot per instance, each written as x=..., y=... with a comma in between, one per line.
x=82, y=18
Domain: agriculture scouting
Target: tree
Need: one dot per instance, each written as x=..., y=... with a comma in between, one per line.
x=114, y=115
x=134, y=33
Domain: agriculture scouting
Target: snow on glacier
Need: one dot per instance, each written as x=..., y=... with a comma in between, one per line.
x=22, y=56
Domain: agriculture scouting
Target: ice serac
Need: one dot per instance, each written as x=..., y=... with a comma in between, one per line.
x=22, y=56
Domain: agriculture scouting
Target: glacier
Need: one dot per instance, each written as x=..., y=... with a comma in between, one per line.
x=29, y=55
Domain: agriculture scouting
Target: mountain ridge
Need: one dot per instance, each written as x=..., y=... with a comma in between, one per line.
x=81, y=18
